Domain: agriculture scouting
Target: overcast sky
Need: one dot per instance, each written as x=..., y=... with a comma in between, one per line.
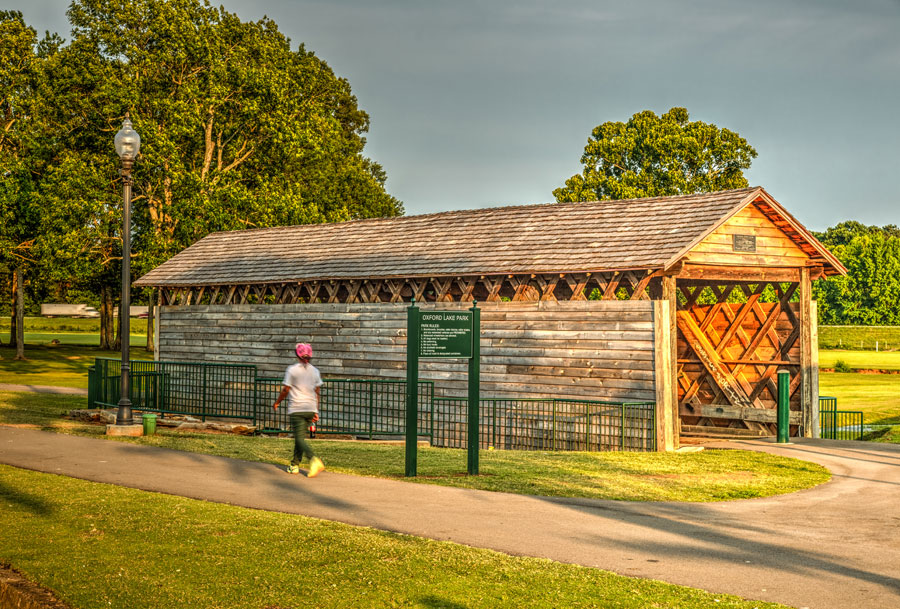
x=476, y=104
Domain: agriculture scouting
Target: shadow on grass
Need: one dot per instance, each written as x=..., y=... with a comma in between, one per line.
x=440, y=603
x=29, y=502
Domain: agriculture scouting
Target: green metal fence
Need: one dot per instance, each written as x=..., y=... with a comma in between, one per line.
x=375, y=408
x=550, y=424
x=196, y=389
x=359, y=407
x=837, y=424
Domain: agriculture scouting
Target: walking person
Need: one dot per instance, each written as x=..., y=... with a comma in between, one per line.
x=302, y=386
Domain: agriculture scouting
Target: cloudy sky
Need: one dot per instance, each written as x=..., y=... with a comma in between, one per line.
x=476, y=104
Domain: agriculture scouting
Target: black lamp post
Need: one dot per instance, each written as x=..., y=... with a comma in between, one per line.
x=128, y=146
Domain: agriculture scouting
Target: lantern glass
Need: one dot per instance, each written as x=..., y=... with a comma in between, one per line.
x=128, y=142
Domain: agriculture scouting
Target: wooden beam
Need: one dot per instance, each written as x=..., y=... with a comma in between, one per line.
x=547, y=285
x=577, y=284
x=466, y=287
x=751, y=274
x=610, y=292
x=666, y=392
x=711, y=360
x=806, y=357
x=312, y=290
x=759, y=415
x=640, y=290
x=814, y=367
x=493, y=288
x=670, y=295
x=332, y=287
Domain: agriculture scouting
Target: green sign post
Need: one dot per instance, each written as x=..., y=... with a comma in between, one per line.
x=436, y=335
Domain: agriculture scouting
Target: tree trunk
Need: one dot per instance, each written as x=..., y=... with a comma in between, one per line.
x=151, y=322
x=118, y=342
x=20, y=315
x=106, y=318
x=12, y=317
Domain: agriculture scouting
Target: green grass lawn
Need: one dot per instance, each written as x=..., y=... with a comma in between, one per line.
x=70, y=324
x=711, y=475
x=876, y=395
x=859, y=337
x=62, y=365
x=866, y=360
x=69, y=338
x=101, y=546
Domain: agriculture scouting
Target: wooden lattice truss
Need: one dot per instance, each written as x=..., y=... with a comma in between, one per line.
x=729, y=354
x=632, y=285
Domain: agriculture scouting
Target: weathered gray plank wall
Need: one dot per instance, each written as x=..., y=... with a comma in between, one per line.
x=588, y=349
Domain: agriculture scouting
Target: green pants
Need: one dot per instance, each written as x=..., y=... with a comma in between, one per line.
x=300, y=422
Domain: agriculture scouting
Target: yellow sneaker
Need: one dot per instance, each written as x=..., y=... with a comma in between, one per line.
x=315, y=467
x=293, y=469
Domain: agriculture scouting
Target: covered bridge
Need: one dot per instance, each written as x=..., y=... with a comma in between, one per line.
x=693, y=302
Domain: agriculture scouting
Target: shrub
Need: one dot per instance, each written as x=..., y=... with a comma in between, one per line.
x=842, y=366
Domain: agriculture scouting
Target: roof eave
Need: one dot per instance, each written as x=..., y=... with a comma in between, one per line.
x=734, y=210
x=759, y=192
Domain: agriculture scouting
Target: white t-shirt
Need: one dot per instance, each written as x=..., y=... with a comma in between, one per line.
x=303, y=381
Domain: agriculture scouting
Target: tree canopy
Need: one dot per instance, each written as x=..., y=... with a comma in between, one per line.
x=652, y=155
x=869, y=294
x=239, y=129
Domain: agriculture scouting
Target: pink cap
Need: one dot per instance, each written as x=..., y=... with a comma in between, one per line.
x=303, y=350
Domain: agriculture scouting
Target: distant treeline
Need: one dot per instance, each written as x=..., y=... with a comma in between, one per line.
x=870, y=293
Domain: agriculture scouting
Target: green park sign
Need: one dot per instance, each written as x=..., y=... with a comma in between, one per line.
x=445, y=334
x=442, y=334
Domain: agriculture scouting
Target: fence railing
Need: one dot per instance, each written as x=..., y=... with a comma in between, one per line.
x=360, y=407
x=376, y=408
x=196, y=389
x=837, y=424
x=549, y=424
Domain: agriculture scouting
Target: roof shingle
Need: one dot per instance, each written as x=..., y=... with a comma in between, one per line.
x=549, y=238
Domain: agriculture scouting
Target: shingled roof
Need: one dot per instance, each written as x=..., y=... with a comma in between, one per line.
x=648, y=233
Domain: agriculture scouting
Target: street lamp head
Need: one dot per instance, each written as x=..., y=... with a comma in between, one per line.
x=128, y=142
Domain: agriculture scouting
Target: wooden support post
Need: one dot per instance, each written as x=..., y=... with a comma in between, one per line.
x=666, y=412
x=670, y=295
x=814, y=366
x=806, y=357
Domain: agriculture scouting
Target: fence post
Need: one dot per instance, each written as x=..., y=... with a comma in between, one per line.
x=587, y=429
x=474, y=405
x=203, y=395
x=784, y=401
x=622, y=428
x=255, y=397
x=412, y=386
x=371, y=406
x=553, y=427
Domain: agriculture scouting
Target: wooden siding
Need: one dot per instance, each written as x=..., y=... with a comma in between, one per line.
x=773, y=247
x=602, y=350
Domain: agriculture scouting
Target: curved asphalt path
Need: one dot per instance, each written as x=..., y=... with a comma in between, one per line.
x=834, y=546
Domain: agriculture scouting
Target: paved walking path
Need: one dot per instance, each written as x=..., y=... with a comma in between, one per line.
x=43, y=389
x=835, y=546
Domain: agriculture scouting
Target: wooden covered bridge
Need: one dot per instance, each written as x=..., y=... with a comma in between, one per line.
x=693, y=301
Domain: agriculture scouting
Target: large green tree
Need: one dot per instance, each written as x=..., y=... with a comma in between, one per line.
x=870, y=293
x=652, y=155
x=23, y=156
x=239, y=130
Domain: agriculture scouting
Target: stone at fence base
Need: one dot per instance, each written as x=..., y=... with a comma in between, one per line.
x=131, y=431
x=181, y=423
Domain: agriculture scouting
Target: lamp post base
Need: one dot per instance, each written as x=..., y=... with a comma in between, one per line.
x=124, y=416
x=132, y=431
